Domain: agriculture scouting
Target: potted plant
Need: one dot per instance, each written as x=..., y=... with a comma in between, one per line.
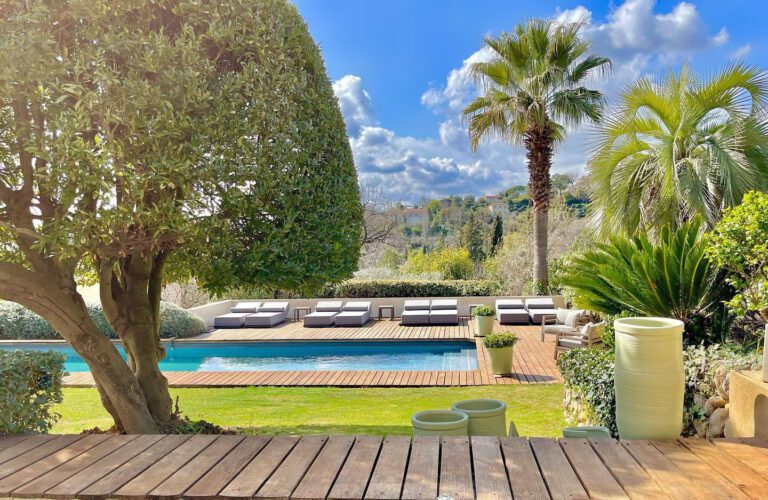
x=484, y=316
x=500, y=347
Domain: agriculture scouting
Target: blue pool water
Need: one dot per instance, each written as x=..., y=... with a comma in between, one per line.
x=234, y=356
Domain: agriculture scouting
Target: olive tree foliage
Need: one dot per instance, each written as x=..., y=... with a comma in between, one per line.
x=143, y=136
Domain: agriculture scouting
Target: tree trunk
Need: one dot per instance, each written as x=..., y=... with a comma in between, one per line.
x=538, y=144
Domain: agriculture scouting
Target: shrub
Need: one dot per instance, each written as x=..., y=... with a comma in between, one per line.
x=485, y=311
x=19, y=323
x=30, y=384
x=451, y=263
x=499, y=340
x=360, y=289
x=588, y=373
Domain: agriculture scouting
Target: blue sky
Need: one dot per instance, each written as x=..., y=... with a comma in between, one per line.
x=399, y=70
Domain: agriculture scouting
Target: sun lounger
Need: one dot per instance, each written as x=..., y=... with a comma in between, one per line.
x=269, y=314
x=245, y=307
x=539, y=308
x=444, y=312
x=324, y=315
x=511, y=311
x=415, y=312
x=355, y=313
x=230, y=320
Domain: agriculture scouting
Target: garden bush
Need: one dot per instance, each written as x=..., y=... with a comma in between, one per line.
x=19, y=323
x=30, y=384
x=358, y=289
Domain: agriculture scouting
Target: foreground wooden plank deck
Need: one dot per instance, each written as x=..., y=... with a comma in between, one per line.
x=205, y=466
x=534, y=360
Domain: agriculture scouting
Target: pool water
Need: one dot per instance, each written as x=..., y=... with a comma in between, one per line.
x=304, y=356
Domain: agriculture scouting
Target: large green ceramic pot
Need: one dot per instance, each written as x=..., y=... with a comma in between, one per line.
x=439, y=423
x=501, y=359
x=649, y=378
x=483, y=325
x=487, y=417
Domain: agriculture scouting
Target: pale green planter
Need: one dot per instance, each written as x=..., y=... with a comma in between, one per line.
x=487, y=417
x=483, y=325
x=649, y=378
x=587, y=432
x=501, y=359
x=439, y=423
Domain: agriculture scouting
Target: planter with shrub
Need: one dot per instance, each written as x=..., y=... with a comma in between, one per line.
x=484, y=316
x=500, y=347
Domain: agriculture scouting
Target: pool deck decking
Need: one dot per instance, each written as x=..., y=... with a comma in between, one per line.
x=96, y=466
x=533, y=362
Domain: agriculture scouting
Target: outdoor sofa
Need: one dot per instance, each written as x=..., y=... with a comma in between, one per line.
x=589, y=334
x=354, y=313
x=511, y=311
x=444, y=312
x=324, y=315
x=565, y=322
x=415, y=312
x=268, y=315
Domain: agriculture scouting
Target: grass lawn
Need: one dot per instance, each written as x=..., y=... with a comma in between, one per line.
x=536, y=409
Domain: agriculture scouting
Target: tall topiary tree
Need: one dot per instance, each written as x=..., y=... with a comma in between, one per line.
x=497, y=234
x=134, y=135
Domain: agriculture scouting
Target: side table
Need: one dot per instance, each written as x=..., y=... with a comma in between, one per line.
x=297, y=310
x=389, y=308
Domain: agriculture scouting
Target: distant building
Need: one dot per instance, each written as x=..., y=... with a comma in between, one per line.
x=498, y=207
x=415, y=216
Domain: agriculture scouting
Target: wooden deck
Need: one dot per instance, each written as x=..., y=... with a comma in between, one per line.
x=533, y=363
x=348, y=467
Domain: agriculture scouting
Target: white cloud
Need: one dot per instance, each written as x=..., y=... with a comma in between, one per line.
x=636, y=38
x=742, y=52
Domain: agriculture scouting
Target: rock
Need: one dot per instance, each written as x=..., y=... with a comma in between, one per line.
x=699, y=400
x=727, y=431
x=701, y=427
x=721, y=380
x=717, y=423
x=713, y=404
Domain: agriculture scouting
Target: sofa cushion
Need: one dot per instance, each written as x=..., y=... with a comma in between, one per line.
x=510, y=304
x=274, y=307
x=540, y=303
x=415, y=317
x=245, y=307
x=358, y=305
x=328, y=306
x=444, y=304
x=416, y=305
x=444, y=317
x=562, y=315
x=574, y=315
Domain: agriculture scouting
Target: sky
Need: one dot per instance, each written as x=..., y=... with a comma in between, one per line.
x=399, y=70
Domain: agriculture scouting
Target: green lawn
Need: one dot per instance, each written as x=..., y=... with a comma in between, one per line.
x=536, y=409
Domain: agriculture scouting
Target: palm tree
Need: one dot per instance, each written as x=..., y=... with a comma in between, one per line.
x=678, y=147
x=533, y=88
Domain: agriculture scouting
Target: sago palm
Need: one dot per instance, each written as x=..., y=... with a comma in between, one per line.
x=533, y=88
x=679, y=147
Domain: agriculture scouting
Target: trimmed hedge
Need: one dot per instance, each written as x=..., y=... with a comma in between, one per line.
x=368, y=289
x=19, y=323
x=30, y=384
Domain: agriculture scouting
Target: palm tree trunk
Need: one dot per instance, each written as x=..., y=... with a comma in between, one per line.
x=538, y=145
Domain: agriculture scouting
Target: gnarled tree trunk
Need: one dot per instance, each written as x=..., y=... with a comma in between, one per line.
x=538, y=143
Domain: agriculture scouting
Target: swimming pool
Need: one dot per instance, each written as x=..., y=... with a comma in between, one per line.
x=302, y=356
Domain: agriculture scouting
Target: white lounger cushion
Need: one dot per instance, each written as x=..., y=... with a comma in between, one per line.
x=444, y=317
x=415, y=317
x=352, y=318
x=512, y=316
x=510, y=304
x=245, y=307
x=266, y=319
x=537, y=314
x=540, y=303
x=416, y=305
x=360, y=305
x=328, y=306
x=444, y=304
x=230, y=320
x=274, y=307
x=320, y=318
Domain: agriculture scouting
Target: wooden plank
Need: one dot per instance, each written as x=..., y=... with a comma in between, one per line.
x=141, y=485
x=732, y=469
x=319, y=478
x=292, y=470
x=250, y=479
x=36, y=454
x=38, y=487
x=628, y=473
x=388, y=476
x=354, y=475
x=421, y=479
x=754, y=457
x=18, y=447
x=522, y=469
x=594, y=476
x=666, y=473
x=560, y=478
x=456, y=468
x=181, y=480
x=134, y=466
x=230, y=466
x=706, y=480
x=491, y=480
x=35, y=469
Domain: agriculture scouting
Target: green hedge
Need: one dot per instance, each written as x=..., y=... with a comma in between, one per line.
x=19, y=323
x=368, y=289
x=30, y=384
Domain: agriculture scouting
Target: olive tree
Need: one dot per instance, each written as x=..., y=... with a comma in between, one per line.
x=141, y=136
